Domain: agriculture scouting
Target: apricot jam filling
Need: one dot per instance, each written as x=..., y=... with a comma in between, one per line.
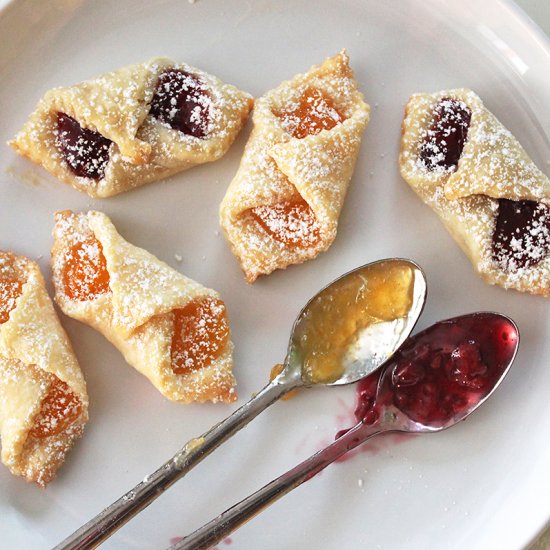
x=85, y=151
x=292, y=223
x=60, y=408
x=182, y=101
x=314, y=112
x=10, y=290
x=85, y=275
x=340, y=315
x=201, y=332
x=443, y=143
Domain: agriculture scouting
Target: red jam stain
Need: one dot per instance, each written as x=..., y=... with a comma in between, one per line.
x=522, y=234
x=181, y=100
x=86, y=151
x=10, y=290
x=60, y=408
x=201, y=332
x=314, y=112
x=439, y=373
x=85, y=275
x=444, y=141
x=292, y=223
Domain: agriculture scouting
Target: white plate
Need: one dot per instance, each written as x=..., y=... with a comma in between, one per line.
x=484, y=484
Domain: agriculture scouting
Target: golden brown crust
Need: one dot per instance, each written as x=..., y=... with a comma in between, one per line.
x=136, y=315
x=34, y=354
x=493, y=165
x=116, y=105
x=277, y=166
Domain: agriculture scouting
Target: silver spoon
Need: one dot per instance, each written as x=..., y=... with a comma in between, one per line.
x=389, y=419
x=365, y=350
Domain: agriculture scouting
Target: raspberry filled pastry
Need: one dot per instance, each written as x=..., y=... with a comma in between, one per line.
x=43, y=399
x=168, y=327
x=476, y=176
x=132, y=126
x=282, y=206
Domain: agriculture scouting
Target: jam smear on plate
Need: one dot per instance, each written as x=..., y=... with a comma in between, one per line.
x=201, y=332
x=181, y=100
x=522, y=234
x=85, y=151
x=445, y=139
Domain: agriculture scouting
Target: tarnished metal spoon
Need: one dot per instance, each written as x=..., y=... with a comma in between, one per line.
x=388, y=418
x=368, y=312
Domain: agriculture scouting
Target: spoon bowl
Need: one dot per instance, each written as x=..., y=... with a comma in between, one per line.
x=441, y=375
x=354, y=324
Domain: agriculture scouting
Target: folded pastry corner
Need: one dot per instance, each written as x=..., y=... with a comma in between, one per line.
x=168, y=327
x=282, y=206
x=43, y=399
x=476, y=176
x=132, y=126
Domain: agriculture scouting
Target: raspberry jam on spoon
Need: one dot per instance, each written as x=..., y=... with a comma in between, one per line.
x=440, y=375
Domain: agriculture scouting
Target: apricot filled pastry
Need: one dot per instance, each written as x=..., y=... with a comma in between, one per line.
x=43, y=399
x=133, y=126
x=168, y=327
x=282, y=206
x=475, y=175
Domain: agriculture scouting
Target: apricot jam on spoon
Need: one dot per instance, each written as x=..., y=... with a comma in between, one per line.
x=344, y=333
x=437, y=378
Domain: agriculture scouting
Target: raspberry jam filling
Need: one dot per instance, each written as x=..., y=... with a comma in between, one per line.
x=439, y=373
x=443, y=143
x=314, y=112
x=292, y=223
x=60, y=408
x=85, y=151
x=182, y=101
x=201, y=332
x=10, y=290
x=85, y=275
x=522, y=234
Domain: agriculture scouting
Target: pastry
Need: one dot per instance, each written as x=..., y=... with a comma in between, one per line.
x=132, y=126
x=168, y=327
x=282, y=206
x=475, y=175
x=43, y=399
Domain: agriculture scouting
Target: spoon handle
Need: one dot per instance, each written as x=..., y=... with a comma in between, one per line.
x=101, y=527
x=214, y=531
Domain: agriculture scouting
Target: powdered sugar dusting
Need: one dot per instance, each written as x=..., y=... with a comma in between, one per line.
x=276, y=171
x=44, y=401
x=141, y=315
x=117, y=107
x=492, y=171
